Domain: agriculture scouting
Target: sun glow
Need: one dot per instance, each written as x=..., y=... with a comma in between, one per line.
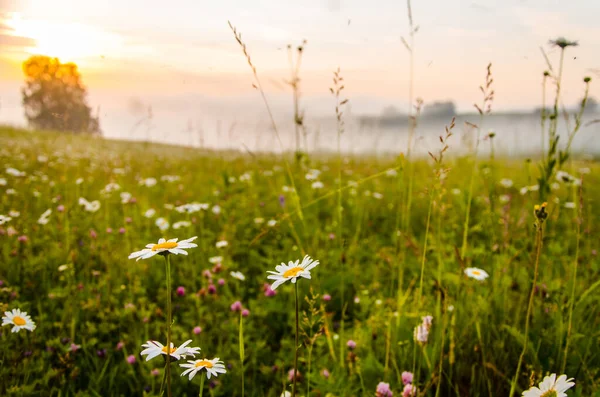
x=71, y=42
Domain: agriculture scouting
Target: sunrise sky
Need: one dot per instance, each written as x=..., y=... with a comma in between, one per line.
x=180, y=56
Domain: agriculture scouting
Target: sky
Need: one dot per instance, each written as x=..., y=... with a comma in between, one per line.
x=180, y=56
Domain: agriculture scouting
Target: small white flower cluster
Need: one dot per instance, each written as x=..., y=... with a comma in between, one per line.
x=89, y=206
x=421, y=333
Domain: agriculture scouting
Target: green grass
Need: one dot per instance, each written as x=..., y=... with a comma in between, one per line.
x=102, y=298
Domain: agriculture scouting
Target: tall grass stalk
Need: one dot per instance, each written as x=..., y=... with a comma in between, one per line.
x=579, y=221
x=296, y=344
x=242, y=352
x=485, y=108
x=169, y=321
x=538, y=250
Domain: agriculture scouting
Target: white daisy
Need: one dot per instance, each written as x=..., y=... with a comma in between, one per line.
x=162, y=224
x=148, y=182
x=216, y=210
x=14, y=214
x=4, y=219
x=215, y=259
x=551, y=387
x=19, y=320
x=3, y=182
x=312, y=175
x=272, y=222
x=14, y=172
x=150, y=213
x=238, y=275
x=476, y=273
x=170, y=178
x=165, y=246
x=317, y=185
x=44, y=217
x=221, y=244
x=570, y=205
x=507, y=183
x=213, y=367
x=125, y=197
x=180, y=224
x=291, y=271
x=89, y=206
x=155, y=349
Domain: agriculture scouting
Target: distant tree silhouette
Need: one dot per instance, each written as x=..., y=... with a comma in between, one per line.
x=54, y=97
x=440, y=109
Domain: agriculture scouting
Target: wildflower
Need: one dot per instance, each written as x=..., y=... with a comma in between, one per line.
x=213, y=367
x=383, y=390
x=236, y=306
x=155, y=349
x=317, y=185
x=407, y=377
x=238, y=275
x=391, y=172
x=221, y=244
x=215, y=259
x=93, y=234
x=563, y=43
x=180, y=224
x=245, y=312
x=540, y=212
x=162, y=224
x=312, y=175
x=477, y=274
x=291, y=271
x=79, y=181
x=131, y=359
x=504, y=198
x=164, y=247
x=197, y=330
x=570, y=205
x=377, y=195
x=351, y=344
x=455, y=191
x=15, y=172
x=3, y=182
x=326, y=297
x=120, y=346
x=19, y=320
x=73, y=348
x=291, y=374
x=180, y=291
x=216, y=210
x=109, y=230
x=60, y=208
x=325, y=373
x=14, y=214
x=111, y=187
x=507, y=183
x=150, y=213
x=89, y=206
x=155, y=372
x=551, y=387
x=221, y=281
x=271, y=222
x=268, y=291
x=22, y=239
x=421, y=332
x=43, y=220
x=212, y=289
x=258, y=221
x=170, y=178
x=4, y=219
x=564, y=177
x=148, y=182
x=409, y=391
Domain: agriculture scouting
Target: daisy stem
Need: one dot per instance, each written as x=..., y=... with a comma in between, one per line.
x=423, y=258
x=296, y=345
x=201, y=386
x=529, y=307
x=167, y=258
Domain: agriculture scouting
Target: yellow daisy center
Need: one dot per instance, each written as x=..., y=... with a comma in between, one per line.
x=20, y=321
x=167, y=245
x=204, y=364
x=549, y=393
x=476, y=272
x=293, y=272
x=164, y=350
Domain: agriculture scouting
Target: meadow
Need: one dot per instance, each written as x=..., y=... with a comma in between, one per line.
x=392, y=248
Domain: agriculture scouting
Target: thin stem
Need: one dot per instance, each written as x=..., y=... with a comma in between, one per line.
x=423, y=257
x=575, y=265
x=341, y=240
x=201, y=385
x=169, y=320
x=296, y=346
x=539, y=237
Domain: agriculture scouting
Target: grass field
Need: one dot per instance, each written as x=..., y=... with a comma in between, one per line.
x=385, y=262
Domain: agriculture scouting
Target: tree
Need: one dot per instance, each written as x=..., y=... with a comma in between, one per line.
x=440, y=109
x=54, y=97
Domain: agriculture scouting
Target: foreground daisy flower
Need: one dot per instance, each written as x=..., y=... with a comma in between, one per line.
x=155, y=349
x=551, y=387
x=19, y=320
x=163, y=247
x=476, y=273
x=213, y=367
x=291, y=271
